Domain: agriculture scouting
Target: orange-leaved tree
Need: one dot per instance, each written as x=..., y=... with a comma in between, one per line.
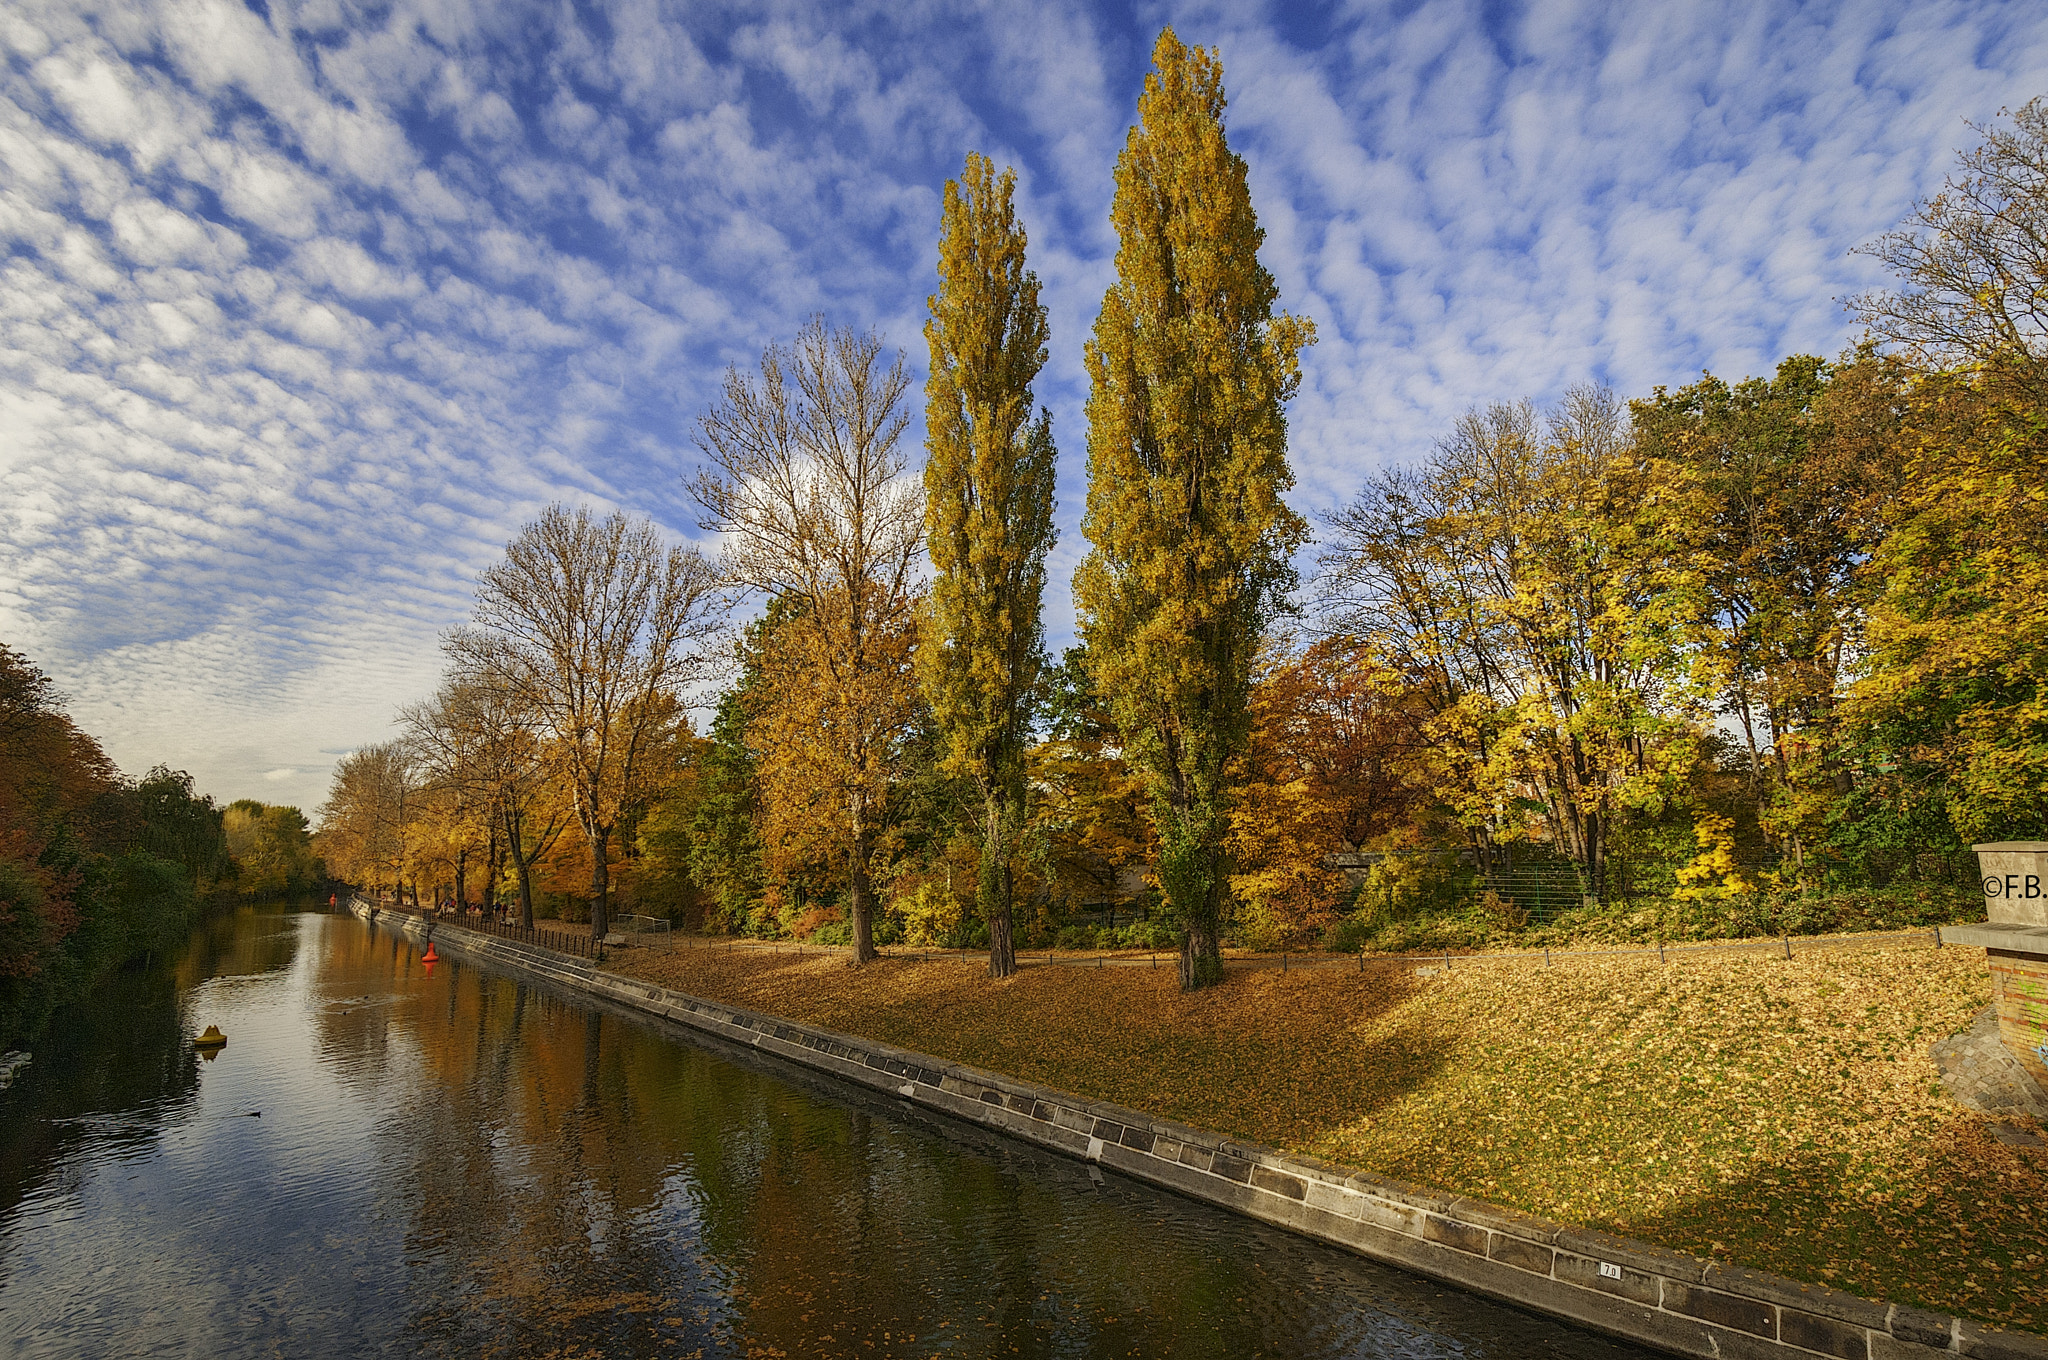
x=1325, y=772
x=370, y=824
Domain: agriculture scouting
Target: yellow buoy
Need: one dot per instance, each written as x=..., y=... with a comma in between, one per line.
x=213, y=1038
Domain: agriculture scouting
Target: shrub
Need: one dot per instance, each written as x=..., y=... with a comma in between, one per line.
x=932, y=917
x=1077, y=938
x=1144, y=934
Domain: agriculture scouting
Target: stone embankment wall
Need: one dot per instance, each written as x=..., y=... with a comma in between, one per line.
x=1611, y=1284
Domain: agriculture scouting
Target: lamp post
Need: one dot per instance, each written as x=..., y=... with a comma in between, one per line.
x=2014, y=937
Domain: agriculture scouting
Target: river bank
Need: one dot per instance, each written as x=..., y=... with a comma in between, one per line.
x=1656, y=1134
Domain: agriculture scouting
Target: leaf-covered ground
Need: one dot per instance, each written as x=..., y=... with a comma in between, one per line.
x=1783, y=1114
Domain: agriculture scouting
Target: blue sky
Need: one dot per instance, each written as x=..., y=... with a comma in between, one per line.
x=306, y=307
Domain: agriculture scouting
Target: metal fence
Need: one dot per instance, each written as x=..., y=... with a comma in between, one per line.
x=1523, y=884
x=1785, y=946
x=633, y=924
x=582, y=946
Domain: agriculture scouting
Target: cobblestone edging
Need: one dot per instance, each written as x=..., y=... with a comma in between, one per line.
x=1611, y=1284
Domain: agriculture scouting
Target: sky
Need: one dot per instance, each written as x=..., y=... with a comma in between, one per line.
x=306, y=307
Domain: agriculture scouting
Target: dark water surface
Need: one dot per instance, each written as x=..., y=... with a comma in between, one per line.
x=457, y=1163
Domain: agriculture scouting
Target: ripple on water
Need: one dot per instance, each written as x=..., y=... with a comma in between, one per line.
x=456, y=1164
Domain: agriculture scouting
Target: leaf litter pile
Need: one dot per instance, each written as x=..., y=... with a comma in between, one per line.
x=1781, y=1114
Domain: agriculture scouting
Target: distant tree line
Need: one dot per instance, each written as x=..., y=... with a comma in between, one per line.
x=97, y=870
x=1730, y=655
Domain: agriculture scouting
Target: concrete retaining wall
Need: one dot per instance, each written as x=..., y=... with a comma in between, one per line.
x=1611, y=1284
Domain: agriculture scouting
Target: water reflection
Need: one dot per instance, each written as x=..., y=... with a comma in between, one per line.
x=458, y=1164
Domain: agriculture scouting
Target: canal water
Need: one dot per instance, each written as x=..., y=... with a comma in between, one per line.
x=388, y=1159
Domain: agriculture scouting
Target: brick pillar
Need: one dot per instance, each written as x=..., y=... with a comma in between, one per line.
x=2019, y=988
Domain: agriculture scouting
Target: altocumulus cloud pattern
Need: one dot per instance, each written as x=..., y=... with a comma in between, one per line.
x=307, y=306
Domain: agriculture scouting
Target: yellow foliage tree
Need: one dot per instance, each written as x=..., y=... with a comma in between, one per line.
x=1713, y=874
x=1540, y=588
x=988, y=517
x=1957, y=678
x=806, y=482
x=1189, y=371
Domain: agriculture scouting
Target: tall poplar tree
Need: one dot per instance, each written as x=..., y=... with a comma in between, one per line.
x=988, y=516
x=1189, y=371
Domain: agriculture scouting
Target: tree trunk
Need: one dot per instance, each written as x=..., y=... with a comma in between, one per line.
x=996, y=884
x=1596, y=855
x=1201, y=953
x=517, y=849
x=600, y=883
x=1191, y=879
x=462, y=879
x=860, y=888
x=494, y=866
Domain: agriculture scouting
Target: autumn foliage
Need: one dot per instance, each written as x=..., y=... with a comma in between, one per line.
x=1741, y=656
x=95, y=869
x=1326, y=772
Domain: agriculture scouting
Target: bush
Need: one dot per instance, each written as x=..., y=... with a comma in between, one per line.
x=1350, y=935
x=1153, y=934
x=1402, y=887
x=1148, y=934
x=1077, y=938
x=932, y=917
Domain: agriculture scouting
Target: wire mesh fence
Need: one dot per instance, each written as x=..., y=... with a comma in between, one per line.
x=649, y=930
x=1519, y=885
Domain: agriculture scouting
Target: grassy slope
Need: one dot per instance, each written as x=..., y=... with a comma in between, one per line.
x=1782, y=1114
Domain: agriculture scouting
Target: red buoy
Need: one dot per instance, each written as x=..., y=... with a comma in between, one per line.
x=430, y=956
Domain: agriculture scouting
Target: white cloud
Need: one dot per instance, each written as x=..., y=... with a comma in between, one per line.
x=301, y=317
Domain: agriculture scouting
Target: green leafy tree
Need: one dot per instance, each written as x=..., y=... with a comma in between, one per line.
x=272, y=849
x=1790, y=470
x=1957, y=675
x=988, y=517
x=1189, y=369
x=723, y=839
x=174, y=822
x=94, y=871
